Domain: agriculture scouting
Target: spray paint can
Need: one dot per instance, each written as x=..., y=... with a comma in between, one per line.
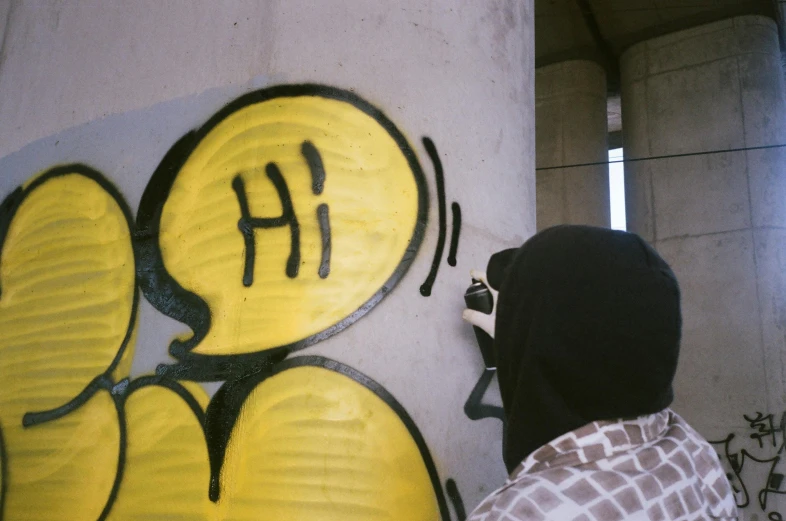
x=478, y=297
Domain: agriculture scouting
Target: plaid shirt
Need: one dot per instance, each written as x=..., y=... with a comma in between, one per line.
x=654, y=468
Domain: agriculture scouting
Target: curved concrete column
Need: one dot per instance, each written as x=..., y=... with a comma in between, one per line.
x=718, y=218
x=570, y=129
x=116, y=84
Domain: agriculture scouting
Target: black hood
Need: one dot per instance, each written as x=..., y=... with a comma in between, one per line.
x=588, y=328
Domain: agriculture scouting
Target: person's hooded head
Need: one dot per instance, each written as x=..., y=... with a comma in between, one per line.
x=588, y=328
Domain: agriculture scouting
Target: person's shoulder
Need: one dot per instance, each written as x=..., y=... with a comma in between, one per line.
x=692, y=444
x=697, y=460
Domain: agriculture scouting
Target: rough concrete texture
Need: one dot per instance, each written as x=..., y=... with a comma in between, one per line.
x=463, y=75
x=717, y=218
x=571, y=128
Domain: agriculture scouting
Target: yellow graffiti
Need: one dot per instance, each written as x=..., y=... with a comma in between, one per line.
x=369, y=190
x=309, y=444
x=167, y=471
x=325, y=447
x=67, y=279
x=286, y=217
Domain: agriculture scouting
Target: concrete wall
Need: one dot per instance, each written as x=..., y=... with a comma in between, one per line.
x=571, y=129
x=115, y=85
x=718, y=218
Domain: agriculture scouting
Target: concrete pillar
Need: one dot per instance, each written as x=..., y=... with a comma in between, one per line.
x=570, y=129
x=718, y=218
x=116, y=84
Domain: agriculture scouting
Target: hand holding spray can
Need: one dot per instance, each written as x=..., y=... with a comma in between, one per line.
x=478, y=297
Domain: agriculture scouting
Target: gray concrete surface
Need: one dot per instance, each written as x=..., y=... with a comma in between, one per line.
x=718, y=218
x=571, y=128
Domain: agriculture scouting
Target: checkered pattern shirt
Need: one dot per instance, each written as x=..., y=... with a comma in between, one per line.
x=652, y=468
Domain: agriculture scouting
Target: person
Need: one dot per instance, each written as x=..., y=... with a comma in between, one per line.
x=586, y=328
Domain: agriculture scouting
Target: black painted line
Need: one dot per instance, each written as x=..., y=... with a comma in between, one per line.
x=12, y=203
x=425, y=288
x=158, y=286
x=220, y=420
x=474, y=409
x=98, y=383
x=455, y=498
x=323, y=216
x=224, y=410
x=170, y=298
x=246, y=224
x=315, y=166
x=455, y=233
x=119, y=395
x=293, y=262
x=7, y=211
x=171, y=385
x=121, y=457
x=221, y=416
x=104, y=380
x=220, y=368
x=248, y=233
